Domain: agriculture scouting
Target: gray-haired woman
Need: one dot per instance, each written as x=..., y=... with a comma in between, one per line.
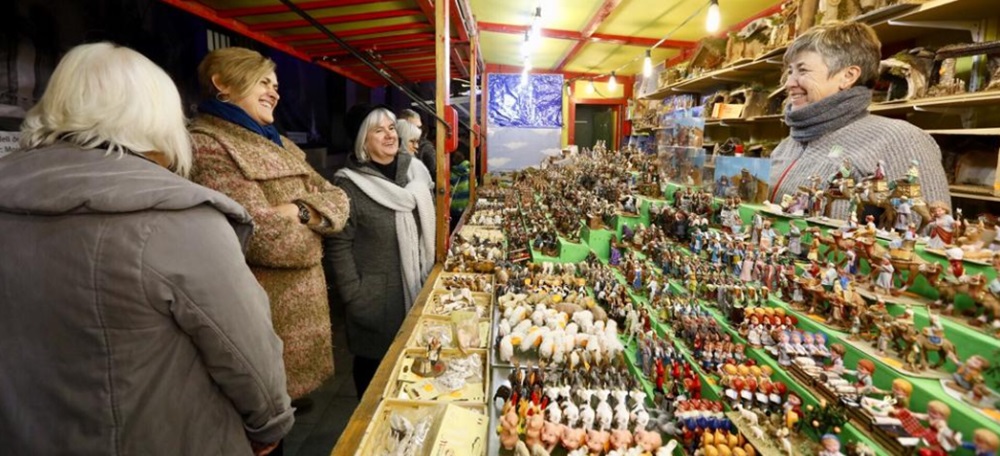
x=830, y=70
x=380, y=260
x=130, y=321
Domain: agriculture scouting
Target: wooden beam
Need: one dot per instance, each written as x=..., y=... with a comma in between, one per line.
x=209, y=14
x=281, y=8
x=442, y=53
x=595, y=22
x=337, y=19
x=577, y=36
x=357, y=32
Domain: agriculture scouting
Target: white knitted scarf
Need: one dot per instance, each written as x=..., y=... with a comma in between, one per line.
x=416, y=247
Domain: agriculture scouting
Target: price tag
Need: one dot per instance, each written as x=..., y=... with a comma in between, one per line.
x=746, y=395
x=731, y=393
x=775, y=398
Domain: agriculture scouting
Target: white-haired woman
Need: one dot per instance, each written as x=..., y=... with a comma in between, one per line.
x=129, y=319
x=382, y=257
x=239, y=152
x=409, y=137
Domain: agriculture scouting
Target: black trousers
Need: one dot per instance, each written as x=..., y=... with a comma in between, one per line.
x=364, y=370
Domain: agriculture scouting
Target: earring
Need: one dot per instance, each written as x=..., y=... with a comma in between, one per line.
x=222, y=97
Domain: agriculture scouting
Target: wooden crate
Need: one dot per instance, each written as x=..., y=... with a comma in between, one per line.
x=378, y=431
x=426, y=323
x=482, y=301
x=401, y=377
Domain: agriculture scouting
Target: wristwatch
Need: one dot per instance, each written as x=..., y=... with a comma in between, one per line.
x=304, y=214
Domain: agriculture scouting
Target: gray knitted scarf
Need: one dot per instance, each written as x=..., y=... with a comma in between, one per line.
x=812, y=121
x=416, y=242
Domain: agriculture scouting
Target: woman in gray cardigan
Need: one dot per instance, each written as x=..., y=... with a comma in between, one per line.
x=830, y=70
x=381, y=259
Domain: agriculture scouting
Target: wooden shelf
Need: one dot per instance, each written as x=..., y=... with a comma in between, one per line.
x=765, y=66
x=967, y=131
x=965, y=100
x=905, y=26
x=748, y=121
x=976, y=192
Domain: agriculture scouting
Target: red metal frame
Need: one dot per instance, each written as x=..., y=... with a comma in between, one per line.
x=578, y=36
x=356, y=32
x=340, y=19
x=281, y=8
x=209, y=15
x=588, y=31
x=367, y=43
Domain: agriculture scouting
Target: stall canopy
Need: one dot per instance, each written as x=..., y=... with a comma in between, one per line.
x=396, y=38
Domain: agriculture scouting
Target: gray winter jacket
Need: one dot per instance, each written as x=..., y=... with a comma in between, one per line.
x=129, y=321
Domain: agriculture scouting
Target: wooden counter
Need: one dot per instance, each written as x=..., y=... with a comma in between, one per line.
x=350, y=439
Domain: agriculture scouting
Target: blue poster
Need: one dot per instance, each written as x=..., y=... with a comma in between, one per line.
x=536, y=103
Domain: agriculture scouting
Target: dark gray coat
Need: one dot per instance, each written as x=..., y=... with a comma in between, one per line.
x=365, y=266
x=130, y=323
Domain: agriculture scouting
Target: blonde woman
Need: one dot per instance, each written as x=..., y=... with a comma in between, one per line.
x=129, y=320
x=239, y=152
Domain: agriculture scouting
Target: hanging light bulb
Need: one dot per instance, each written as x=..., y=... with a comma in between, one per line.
x=526, y=46
x=524, y=78
x=612, y=84
x=647, y=64
x=527, y=64
x=714, y=17
x=569, y=89
x=536, y=25
x=590, y=87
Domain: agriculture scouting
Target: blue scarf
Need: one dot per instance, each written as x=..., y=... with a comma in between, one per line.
x=235, y=114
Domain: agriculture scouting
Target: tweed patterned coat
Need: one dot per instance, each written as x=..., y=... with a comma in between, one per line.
x=284, y=255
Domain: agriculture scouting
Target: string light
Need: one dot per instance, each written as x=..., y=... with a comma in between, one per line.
x=714, y=18
x=647, y=64
x=612, y=84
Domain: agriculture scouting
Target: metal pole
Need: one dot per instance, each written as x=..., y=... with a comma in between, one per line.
x=358, y=55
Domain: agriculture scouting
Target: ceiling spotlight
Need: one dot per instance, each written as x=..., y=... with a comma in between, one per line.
x=590, y=87
x=612, y=84
x=647, y=64
x=714, y=17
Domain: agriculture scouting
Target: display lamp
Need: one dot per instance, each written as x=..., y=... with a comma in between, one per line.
x=647, y=64
x=527, y=46
x=714, y=17
x=612, y=83
x=536, y=25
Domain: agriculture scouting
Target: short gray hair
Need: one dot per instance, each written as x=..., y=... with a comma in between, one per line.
x=406, y=132
x=370, y=122
x=102, y=93
x=408, y=114
x=841, y=44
